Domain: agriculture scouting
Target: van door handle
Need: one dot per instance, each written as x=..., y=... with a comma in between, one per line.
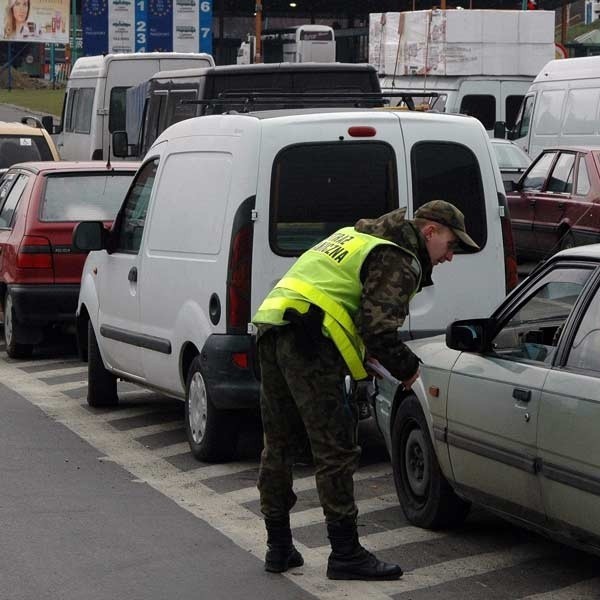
x=521, y=395
x=132, y=275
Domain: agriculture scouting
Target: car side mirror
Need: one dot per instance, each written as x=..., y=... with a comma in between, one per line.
x=510, y=186
x=48, y=123
x=511, y=134
x=120, y=144
x=468, y=336
x=89, y=236
x=500, y=129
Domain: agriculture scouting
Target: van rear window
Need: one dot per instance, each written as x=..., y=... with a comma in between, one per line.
x=449, y=171
x=318, y=188
x=77, y=197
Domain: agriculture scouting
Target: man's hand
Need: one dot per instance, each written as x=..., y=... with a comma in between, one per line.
x=408, y=383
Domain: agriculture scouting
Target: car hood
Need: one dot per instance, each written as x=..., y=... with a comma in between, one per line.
x=434, y=352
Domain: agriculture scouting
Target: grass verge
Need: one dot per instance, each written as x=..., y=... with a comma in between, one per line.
x=44, y=101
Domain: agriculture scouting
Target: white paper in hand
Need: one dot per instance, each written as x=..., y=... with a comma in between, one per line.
x=376, y=367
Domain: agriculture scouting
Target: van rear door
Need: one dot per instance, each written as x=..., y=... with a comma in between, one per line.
x=450, y=160
x=317, y=175
x=481, y=99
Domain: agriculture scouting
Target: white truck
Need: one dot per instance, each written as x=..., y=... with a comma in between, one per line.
x=94, y=104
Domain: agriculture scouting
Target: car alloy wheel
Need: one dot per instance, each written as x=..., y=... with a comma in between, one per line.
x=197, y=412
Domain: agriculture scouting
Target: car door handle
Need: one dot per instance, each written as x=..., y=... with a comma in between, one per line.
x=532, y=203
x=522, y=395
x=561, y=205
x=132, y=275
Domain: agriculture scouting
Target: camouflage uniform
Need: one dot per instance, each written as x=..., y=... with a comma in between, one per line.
x=303, y=376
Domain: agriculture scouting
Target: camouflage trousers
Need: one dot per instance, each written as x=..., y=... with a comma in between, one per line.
x=304, y=395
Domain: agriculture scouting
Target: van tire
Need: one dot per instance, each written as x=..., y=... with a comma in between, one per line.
x=102, y=384
x=426, y=497
x=211, y=433
x=14, y=349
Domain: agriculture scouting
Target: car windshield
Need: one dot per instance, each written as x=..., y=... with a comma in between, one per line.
x=22, y=148
x=510, y=156
x=84, y=197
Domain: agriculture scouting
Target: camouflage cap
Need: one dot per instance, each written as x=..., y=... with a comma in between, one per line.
x=447, y=214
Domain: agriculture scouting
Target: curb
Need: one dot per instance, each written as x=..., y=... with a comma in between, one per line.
x=33, y=113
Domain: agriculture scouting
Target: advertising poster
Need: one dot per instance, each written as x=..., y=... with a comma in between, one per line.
x=160, y=26
x=121, y=29
x=45, y=21
x=94, y=21
x=186, y=25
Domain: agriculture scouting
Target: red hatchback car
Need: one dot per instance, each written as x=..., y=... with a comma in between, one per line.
x=40, y=272
x=556, y=203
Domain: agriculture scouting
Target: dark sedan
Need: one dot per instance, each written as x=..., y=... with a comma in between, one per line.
x=555, y=204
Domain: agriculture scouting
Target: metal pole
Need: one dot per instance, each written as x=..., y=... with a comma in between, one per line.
x=258, y=32
x=9, y=82
x=52, y=66
x=443, y=5
x=524, y=5
x=73, y=31
x=564, y=21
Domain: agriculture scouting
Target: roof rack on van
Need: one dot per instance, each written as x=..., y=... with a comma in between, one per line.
x=248, y=99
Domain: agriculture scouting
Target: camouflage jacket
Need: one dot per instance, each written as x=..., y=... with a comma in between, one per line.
x=388, y=284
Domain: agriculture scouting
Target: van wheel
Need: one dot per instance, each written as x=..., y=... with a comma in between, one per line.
x=426, y=497
x=567, y=240
x=13, y=348
x=102, y=384
x=211, y=433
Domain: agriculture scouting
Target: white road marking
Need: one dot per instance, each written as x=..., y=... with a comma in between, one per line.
x=249, y=494
x=77, y=370
x=584, y=590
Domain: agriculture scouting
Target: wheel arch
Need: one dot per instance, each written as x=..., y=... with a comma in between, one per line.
x=189, y=351
x=418, y=392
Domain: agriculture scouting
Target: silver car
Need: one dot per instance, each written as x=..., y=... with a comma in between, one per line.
x=506, y=413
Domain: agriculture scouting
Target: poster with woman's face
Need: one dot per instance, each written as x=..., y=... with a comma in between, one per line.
x=44, y=21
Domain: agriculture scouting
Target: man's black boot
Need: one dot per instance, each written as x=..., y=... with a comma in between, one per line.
x=349, y=560
x=281, y=554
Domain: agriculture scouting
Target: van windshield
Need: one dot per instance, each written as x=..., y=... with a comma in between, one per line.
x=21, y=148
x=318, y=188
x=84, y=197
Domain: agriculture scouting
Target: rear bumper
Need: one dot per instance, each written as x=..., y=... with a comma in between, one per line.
x=230, y=386
x=44, y=304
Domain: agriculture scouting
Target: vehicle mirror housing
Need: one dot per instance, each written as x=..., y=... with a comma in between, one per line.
x=467, y=336
x=48, y=123
x=120, y=144
x=500, y=129
x=89, y=236
x=510, y=186
x=511, y=134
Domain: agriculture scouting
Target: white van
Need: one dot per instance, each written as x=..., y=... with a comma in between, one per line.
x=561, y=107
x=490, y=98
x=220, y=209
x=94, y=104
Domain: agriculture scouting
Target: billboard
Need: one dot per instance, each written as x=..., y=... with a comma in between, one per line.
x=44, y=21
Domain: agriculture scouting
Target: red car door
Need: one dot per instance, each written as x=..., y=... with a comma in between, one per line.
x=551, y=205
x=522, y=203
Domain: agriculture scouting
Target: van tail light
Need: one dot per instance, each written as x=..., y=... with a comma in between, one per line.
x=34, y=253
x=240, y=270
x=510, y=255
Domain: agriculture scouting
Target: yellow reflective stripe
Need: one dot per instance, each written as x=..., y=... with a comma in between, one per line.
x=315, y=296
x=349, y=353
x=281, y=303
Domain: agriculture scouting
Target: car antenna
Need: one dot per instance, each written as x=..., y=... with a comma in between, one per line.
x=108, y=165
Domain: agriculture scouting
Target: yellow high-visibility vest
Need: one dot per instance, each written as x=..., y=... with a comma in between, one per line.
x=328, y=276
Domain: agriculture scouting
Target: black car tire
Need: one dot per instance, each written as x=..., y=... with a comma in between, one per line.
x=14, y=349
x=211, y=433
x=426, y=497
x=102, y=384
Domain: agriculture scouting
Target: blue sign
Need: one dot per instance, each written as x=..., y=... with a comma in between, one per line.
x=160, y=26
x=141, y=26
x=206, y=19
x=94, y=24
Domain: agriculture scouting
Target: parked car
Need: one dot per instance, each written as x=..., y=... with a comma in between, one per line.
x=20, y=142
x=506, y=411
x=40, y=272
x=221, y=208
x=512, y=161
x=555, y=204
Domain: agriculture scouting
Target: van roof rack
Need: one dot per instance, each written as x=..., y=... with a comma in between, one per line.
x=248, y=99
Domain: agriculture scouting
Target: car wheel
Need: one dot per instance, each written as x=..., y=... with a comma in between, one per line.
x=426, y=497
x=567, y=241
x=211, y=433
x=14, y=349
x=102, y=384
